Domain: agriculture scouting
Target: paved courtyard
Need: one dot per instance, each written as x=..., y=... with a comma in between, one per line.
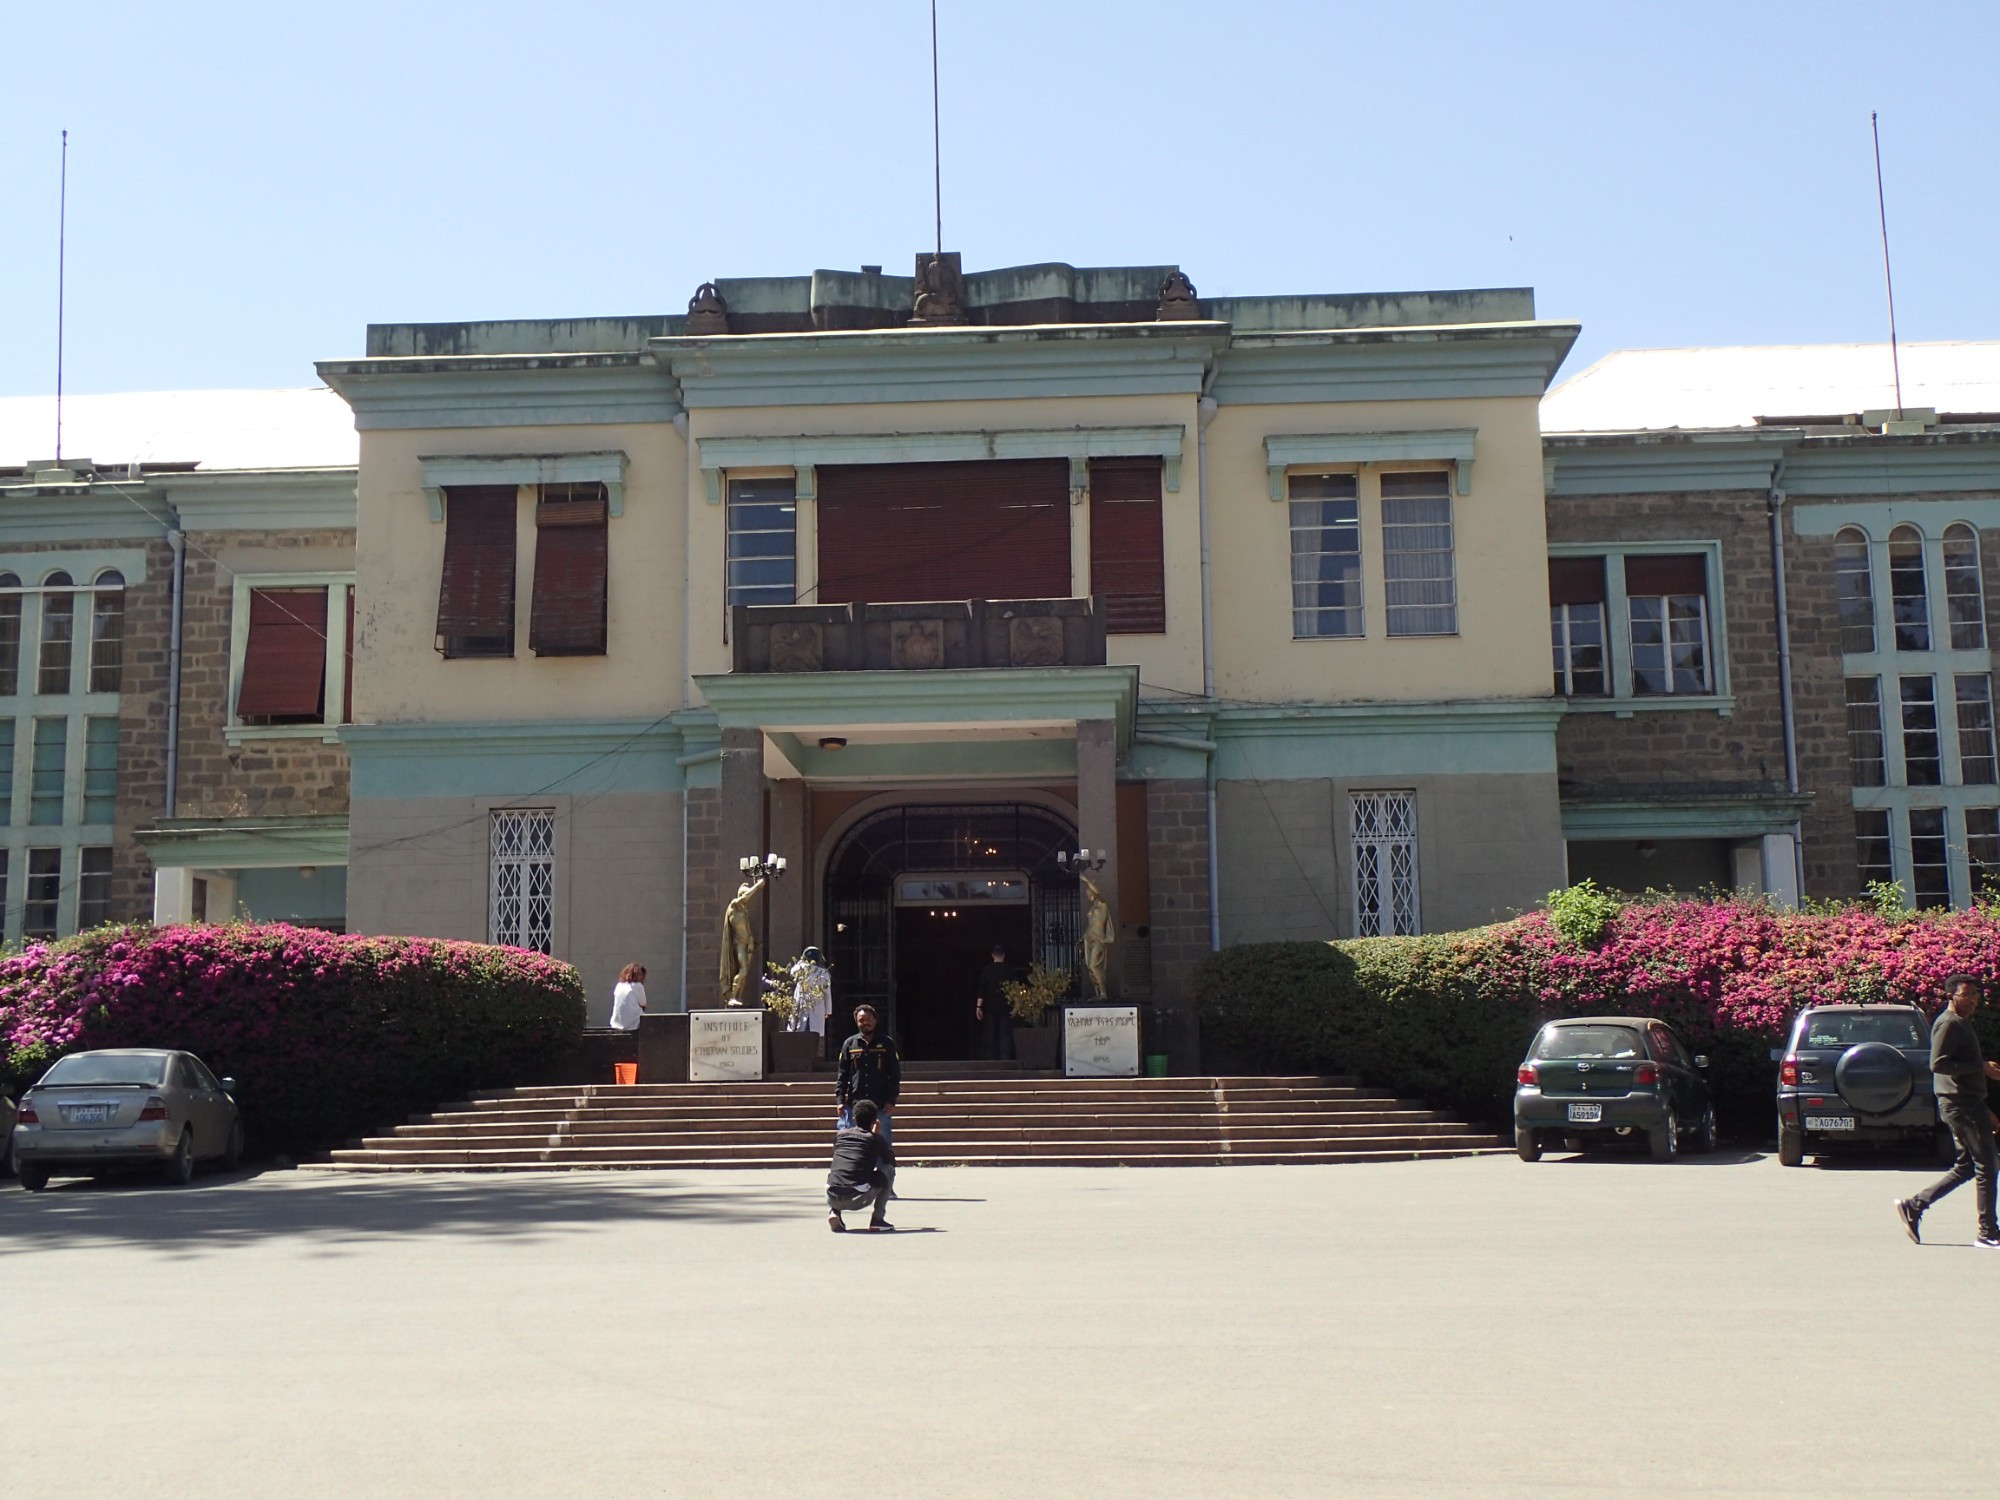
x=1479, y=1327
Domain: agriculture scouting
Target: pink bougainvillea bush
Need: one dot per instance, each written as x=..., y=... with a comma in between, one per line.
x=1448, y=1017
x=326, y=1035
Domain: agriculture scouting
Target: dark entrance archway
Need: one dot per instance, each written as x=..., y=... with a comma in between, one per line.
x=917, y=895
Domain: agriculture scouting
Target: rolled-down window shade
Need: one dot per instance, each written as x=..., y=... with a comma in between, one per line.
x=1653, y=576
x=476, y=591
x=1576, y=580
x=284, y=661
x=1127, y=553
x=992, y=529
x=567, y=614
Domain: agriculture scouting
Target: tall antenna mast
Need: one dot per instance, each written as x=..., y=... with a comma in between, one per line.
x=62, y=255
x=1882, y=209
x=937, y=158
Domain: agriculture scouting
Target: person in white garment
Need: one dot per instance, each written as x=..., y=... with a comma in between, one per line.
x=628, y=1001
x=812, y=984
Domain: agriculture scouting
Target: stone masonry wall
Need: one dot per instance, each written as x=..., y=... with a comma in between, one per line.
x=1177, y=854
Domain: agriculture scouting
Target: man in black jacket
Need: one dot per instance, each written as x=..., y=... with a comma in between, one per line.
x=1960, y=1072
x=860, y=1174
x=871, y=1070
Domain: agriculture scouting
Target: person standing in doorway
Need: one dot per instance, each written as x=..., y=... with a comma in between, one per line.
x=862, y=1165
x=1960, y=1071
x=812, y=988
x=870, y=1069
x=991, y=1006
x=628, y=1000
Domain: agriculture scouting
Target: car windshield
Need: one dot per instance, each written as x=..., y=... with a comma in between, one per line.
x=1835, y=1028
x=1560, y=1042
x=107, y=1067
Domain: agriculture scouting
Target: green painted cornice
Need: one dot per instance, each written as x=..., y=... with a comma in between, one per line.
x=245, y=843
x=262, y=499
x=509, y=738
x=819, y=701
x=1393, y=364
x=1681, y=817
x=942, y=364
x=1800, y=462
x=1869, y=464
x=106, y=511
x=1448, y=716
x=951, y=761
x=1645, y=463
x=542, y=390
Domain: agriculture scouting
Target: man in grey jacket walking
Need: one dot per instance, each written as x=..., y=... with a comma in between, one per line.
x=1960, y=1072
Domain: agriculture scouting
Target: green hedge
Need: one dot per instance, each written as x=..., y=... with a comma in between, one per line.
x=327, y=1036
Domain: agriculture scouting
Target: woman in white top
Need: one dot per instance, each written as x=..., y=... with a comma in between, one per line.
x=812, y=984
x=629, y=999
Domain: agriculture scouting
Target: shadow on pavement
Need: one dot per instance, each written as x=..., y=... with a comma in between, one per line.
x=246, y=1207
x=1722, y=1157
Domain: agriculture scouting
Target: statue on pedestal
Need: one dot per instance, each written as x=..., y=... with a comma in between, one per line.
x=1100, y=931
x=740, y=974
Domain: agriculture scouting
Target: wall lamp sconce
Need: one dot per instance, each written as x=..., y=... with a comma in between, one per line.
x=1084, y=860
x=769, y=866
x=832, y=742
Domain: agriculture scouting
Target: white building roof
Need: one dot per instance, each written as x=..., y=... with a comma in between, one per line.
x=295, y=429
x=1651, y=389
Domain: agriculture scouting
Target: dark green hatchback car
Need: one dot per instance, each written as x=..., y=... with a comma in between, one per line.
x=1609, y=1077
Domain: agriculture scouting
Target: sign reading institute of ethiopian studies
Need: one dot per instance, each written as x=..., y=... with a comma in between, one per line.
x=726, y=1046
x=1101, y=1041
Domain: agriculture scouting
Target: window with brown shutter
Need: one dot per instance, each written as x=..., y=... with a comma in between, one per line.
x=1128, y=569
x=891, y=533
x=1684, y=573
x=476, y=592
x=1576, y=580
x=567, y=614
x=284, y=658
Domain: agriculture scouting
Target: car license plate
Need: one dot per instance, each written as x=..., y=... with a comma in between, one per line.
x=86, y=1114
x=1585, y=1114
x=1829, y=1122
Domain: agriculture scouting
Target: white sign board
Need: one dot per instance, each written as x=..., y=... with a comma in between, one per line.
x=1101, y=1041
x=726, y=1046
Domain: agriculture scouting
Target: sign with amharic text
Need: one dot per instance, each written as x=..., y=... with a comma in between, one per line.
x=1101, y=1041
x=726, y=1046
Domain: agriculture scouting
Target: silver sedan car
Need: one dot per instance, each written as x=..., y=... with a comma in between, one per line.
x=125, y=1107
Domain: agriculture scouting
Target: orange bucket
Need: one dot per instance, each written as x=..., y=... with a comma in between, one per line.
x=625, y=1072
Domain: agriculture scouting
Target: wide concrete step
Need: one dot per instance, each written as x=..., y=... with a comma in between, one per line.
x=821, y=1129
x=969, y=1156
x=998, y=1083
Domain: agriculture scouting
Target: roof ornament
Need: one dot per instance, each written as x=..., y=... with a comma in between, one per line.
x=707, y=312
x=940, y=292
x=1177, y=299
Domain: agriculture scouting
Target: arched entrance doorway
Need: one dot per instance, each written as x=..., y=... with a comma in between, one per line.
x=916, y=897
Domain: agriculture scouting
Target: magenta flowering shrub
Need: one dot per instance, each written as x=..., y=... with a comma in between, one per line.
x=1448, y=1017
x=326, y=1035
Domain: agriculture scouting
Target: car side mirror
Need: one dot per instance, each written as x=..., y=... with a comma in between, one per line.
x=1701, y=1059
x=229, y=1085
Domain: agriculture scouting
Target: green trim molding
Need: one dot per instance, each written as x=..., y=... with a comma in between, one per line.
x=607, y=469
x=1452, y=445
x=262, y=499
x=1693, y=817
x=513, y=759
x=1303, y=742
x=1861, y=462
x=803, y=454
x=245, y=843
x=1930, y=515
x=1436, y=362
x=575, y=390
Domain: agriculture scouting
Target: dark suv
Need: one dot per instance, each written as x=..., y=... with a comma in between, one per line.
x=1857, y=1073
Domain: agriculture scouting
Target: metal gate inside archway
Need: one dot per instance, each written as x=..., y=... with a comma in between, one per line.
x=917, y=895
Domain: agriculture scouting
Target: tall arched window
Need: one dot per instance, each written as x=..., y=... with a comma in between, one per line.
x=107, y=632
x=1964, y=600
x=58, y=633
x=1855, y=591
x=10, y=635
x=1906, y=589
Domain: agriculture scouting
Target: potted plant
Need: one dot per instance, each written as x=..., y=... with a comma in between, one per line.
x=1031, y=1000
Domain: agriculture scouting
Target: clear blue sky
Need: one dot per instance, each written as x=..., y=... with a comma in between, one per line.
x=251, y=184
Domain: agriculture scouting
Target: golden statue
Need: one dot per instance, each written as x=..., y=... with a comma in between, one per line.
x=739, y=944
x=1100, y=931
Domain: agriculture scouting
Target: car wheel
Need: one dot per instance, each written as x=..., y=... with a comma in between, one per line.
x=232, y=1154
x=1527, y=1143
x=1666, y=1139
x=178, y=1169
x=1704, y=1133
x=33, y=1178
x=1944, y=1145
x=1791, y=1146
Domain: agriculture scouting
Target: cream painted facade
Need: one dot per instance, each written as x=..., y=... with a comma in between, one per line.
x=1405, y=782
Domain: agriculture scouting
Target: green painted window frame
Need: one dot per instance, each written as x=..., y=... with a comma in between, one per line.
x=1622, y=701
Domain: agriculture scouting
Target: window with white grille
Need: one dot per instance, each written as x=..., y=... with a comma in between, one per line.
x=522, y=883
x=1383, y=830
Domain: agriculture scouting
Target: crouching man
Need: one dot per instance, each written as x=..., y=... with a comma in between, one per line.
x=860, y=1174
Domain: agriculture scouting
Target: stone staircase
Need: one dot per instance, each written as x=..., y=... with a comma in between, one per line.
x=986, y=1118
